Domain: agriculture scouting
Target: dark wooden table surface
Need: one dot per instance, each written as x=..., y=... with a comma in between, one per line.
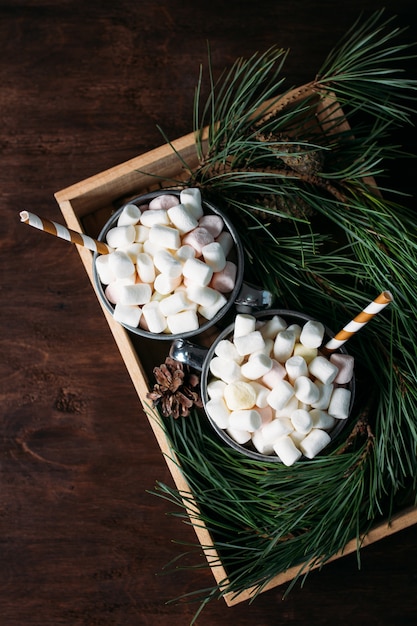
x=83, y=87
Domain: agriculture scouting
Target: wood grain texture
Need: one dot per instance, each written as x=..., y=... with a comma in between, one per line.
x=82, y=541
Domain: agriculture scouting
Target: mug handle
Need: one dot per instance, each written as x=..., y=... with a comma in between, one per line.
x=251, y=298
x=188, y=353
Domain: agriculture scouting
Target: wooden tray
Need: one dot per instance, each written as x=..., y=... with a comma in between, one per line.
x=86, y=207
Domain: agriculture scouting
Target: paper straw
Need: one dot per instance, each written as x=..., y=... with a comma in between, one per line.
x=359, y=321
x=64, y=233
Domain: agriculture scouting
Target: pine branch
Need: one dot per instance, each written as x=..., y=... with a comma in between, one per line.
x=318, y=233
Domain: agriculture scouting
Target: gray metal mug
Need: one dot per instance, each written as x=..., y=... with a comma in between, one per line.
x=200, y=357
x=244, y=297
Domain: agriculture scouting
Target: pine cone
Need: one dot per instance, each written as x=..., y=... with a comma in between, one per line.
x=294, y=153
x=176, y=389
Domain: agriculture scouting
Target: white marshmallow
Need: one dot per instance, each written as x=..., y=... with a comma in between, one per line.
x=324, y=397
x=340, y=403
x=287, y=450
x=244, y=324
x=182, y=218
x=245, y=419
x=322, y=369
x=239, y=395
x=141, y=233
x=262, y=394
x=140, y=293
x=129, y=280
x=308, y=354
x=164, y=201
x=297, y=437
x=151, y=247
x=321, y=419
x=215, y=389
x=296, y=366
x=166, y=284
x=183, y=290
x=129, y=315
x=154, y=319
x=280, y=395
x=306, y=390
x=145, y=267
x=275, y=374
x=249, y=343
x=184, y=252
x=227, y=350
x=120, y=264
x=225, y=369
x=262, y=446
x=226, y=241
x=284, y=345
x=152, y=217
x=205, y=296
x=214, y=256
x=133, y=249
x=225, y=280
x=112, y=292
x=257, y=366
x=265, y=412
x=302, y=421
x=183, y=322
x=121, y=236
x=240, y=436
x=276, y=429
x=188, y=305
x=208, y=312
x=167, y=264
x=165, y=236
x=130, y=214
x=312, y=334
x=218, y=411
x=287, y=410
x=272, y=327
x=345, y=365
x=267, y=349
x=173, y=304
x=104, y=271
x=197, y=239
x=296, y=329
x=197, y=271
x=191, y=197
x=213, y=222
x=314, y=442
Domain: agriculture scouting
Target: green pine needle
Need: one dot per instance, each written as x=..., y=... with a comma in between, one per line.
x=320, y=236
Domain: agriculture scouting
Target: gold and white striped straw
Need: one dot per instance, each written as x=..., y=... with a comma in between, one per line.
x=64, y=233
x=359, y=321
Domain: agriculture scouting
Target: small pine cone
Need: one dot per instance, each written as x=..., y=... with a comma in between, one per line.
x=175, y=390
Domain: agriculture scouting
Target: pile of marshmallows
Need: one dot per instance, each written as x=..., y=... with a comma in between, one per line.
x=271, y=385
x=169, y=268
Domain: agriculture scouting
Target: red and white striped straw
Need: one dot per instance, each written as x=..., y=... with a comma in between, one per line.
x=64, y=233
x=359, y=321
